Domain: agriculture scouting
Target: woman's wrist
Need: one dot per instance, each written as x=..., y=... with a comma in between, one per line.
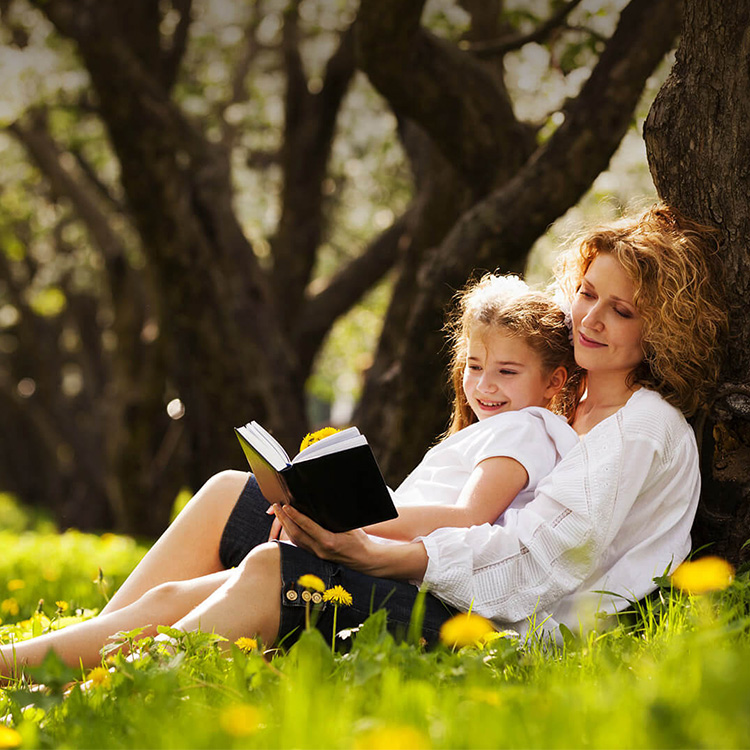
x=404, y=560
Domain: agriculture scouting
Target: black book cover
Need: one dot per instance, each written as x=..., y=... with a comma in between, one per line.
x=341, y=491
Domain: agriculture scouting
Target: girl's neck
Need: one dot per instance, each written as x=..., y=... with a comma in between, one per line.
x=606, y=393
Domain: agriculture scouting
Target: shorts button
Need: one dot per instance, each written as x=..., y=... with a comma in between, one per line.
x=291, y=595
x=317, y=598
x=306, y=596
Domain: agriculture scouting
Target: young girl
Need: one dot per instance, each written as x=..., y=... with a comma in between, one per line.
x=511, y=368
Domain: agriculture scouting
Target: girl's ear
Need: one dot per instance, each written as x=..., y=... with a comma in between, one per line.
x=556, y=381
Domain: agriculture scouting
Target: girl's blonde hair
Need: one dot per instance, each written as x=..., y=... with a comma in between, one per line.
x=505, y=302
x=672, y=263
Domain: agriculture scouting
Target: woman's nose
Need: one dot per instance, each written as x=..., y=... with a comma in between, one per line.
x=592, y=319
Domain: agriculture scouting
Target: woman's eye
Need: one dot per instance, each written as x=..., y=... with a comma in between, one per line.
x=623, y=313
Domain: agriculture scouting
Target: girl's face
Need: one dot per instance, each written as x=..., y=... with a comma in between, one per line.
x=606, y=325
x=503, y=373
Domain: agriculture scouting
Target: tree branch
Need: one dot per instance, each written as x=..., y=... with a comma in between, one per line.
x=32, y=132
x=499, y=47
x=456, y=98
x=172, y=57
x=238, y=89
x=309, y=130
x=510, y=219
x=347, y=287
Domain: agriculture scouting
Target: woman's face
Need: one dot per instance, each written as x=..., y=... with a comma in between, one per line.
x=606, y=325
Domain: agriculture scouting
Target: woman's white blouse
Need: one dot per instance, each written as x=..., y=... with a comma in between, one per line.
x=613, y=514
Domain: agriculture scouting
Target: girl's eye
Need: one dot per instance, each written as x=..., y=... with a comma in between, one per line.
x=623, y=313
x=508, y=372
x=476, y=368
x=584, y=293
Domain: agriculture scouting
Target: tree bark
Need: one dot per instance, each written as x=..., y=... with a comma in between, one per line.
x=698, y=143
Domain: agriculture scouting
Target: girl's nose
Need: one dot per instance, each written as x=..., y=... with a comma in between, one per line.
x=486, y=382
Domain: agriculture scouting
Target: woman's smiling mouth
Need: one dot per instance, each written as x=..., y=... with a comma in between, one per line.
x=586, y=341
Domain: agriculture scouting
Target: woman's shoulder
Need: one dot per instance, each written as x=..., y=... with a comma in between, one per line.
x=649, y=407
x=648, y=416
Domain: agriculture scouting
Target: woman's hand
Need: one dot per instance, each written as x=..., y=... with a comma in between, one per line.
x=354, y=549
x=351, y=548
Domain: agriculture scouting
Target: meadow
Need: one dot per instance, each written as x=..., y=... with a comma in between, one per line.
x=673, y=674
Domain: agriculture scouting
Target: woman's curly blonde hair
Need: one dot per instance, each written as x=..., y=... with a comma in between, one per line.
x=505, y=303
x=672, y=262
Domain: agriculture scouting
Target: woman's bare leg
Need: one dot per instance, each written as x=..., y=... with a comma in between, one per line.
x=189, y=548
x=241, y=601
x=81, y=644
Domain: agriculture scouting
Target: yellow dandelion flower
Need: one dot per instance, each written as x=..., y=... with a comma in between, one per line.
x=465, y=630
x=99, y=677
x=15, y=584
x=50, y=575
x=9, y=737
x=10, y=606
x=395, y=737
x=313, y=437
x=246, y=644
x=240, y=720
x=61, y=606
x=338, y=595
x=706, y=574
x=309, y=581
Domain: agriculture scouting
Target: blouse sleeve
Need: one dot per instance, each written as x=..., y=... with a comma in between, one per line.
x=547, y=549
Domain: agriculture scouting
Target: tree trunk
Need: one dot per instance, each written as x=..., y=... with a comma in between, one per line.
x=698, y=143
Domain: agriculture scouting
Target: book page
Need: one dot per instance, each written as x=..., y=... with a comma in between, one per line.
x=266, y=445
x=339, y=441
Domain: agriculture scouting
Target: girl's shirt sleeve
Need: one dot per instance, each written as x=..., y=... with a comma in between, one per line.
x=534, y=437
x=616, y=510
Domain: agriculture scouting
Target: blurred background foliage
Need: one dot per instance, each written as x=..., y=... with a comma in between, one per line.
x=127, y=353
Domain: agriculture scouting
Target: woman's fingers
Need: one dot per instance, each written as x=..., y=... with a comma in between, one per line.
x=276, y=530
x=305, y=533
x=295, y=533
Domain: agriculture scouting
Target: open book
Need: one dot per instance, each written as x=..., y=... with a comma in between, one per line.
x=336, y=481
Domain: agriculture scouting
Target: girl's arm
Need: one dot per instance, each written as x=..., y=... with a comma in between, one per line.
x=491, y=488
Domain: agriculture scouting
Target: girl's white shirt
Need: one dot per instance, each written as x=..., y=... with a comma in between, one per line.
x=614, y=513
x=534, y=436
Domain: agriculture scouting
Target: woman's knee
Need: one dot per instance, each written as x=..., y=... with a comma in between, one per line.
x=227, y=483
x=220, y=493
x=262, y=561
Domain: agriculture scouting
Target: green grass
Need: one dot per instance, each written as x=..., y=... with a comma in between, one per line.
x=676, y=676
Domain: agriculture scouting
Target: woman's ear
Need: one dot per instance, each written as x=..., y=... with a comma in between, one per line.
x=557, y=380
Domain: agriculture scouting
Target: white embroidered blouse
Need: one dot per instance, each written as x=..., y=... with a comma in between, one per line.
x=612, y=515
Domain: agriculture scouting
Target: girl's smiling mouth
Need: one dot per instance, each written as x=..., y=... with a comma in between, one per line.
x=491, y=404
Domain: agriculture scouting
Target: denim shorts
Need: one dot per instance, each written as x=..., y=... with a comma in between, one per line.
x=249, y=525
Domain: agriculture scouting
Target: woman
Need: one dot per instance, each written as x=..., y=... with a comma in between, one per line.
x=615, y=512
